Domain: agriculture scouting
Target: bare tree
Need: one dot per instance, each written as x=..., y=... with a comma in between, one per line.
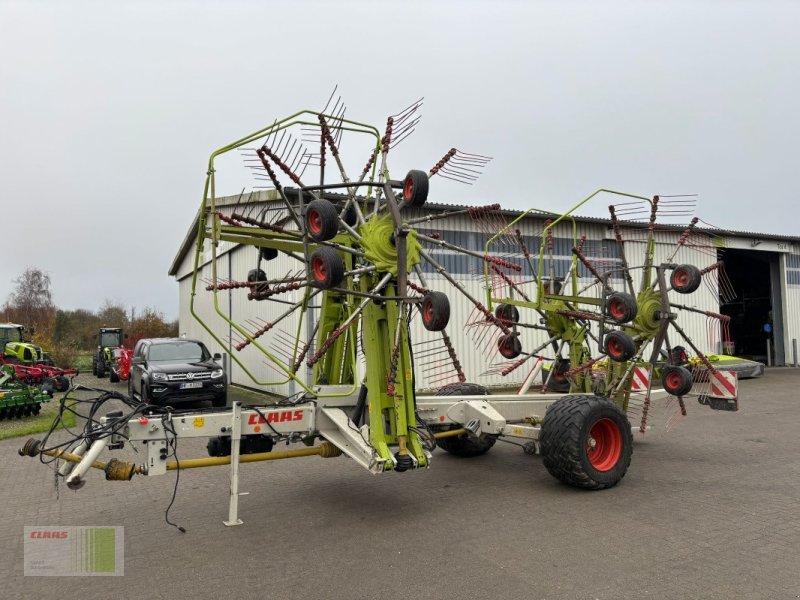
x=31, y=302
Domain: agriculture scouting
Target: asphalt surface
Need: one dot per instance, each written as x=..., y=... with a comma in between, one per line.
x=710, y=509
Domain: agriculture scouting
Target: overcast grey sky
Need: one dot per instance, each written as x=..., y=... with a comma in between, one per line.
x=109, y=110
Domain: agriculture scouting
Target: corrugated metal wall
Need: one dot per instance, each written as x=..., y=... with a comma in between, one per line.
x=475, y=351
x=790, y=295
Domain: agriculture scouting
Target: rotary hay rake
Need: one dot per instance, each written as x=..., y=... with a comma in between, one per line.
x=615, y=331
x=340, y=264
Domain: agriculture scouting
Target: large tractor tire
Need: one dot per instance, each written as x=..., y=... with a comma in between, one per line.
x=464, y=445
x=101, y=367
x=586, y=442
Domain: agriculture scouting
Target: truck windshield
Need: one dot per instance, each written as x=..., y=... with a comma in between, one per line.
x=109, y=339
x=177, y=352
x=8, y=334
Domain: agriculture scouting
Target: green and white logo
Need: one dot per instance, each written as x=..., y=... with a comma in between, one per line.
x=74, y=550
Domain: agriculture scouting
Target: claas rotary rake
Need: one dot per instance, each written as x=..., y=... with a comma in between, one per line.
x=607, y=319
x=341, y=266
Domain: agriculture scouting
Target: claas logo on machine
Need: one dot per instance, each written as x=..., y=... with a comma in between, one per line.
x=276, y=417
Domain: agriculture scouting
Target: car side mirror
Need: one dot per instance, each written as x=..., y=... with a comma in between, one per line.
x=137, y=360
x=217, y=356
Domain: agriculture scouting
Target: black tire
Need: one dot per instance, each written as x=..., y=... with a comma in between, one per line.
x=3, y=413
x=435, y=311
x=677, y=381
x=327, y=268
x=415, y=188
x=61, y=383
x=678, y=356
x=94, y=366
x=464, y=446
x=349, y=216
x=48, y=387
x=685, y=279
x=220, y=402
x=267, y=253
x=509, y=345
x=321, y=220
x=101, y=368
x=621, y=307
x=572, y=455
x=558, y=380
x=37, y=408
x=256, y=276
x=619, y=346
x=507, y=313
x=113, y=376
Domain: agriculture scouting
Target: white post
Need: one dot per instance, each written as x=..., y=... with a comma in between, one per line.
x=236, y=436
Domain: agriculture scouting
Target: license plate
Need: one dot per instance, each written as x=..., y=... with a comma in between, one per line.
x=191, y=385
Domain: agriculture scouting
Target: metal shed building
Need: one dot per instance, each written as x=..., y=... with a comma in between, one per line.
x=764, y=271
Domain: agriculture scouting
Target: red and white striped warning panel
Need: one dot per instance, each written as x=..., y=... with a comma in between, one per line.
x=724, y=384
x=641, y=379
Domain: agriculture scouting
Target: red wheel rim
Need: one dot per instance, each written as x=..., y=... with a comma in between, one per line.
x=427, y=311
x=615, y=348
x=320, y=269
x=604, y=446
x=680, y=278
x=617, y=309
x=408, y=188
x=673, y=381
x=314, y=221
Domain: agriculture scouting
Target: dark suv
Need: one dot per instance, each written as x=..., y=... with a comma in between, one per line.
x=170, y=370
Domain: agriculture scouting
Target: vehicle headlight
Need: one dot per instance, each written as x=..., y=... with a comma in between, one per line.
x=159, y=376
x=216, y=373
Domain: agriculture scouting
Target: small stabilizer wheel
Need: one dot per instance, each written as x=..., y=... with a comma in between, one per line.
x=113, y=376
x=415, y=188
x=349, y=216
x=586, y=442
x=507, y=313
x=435, y=311
x=685, y=279
x=327, y=268
x=464, y=446
x=256, y=276
x=404, y=462
x=509, y=345
x=558, y=380
x=678, y=356
x=621, y=307
x=676, y=380
x=619, y=346
x=321, y=220
x=267, y=253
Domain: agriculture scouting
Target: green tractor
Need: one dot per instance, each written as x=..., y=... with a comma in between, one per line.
x=108, y=339
x=14, y=348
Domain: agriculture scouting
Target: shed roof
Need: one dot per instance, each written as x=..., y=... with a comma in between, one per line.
x=272, y=195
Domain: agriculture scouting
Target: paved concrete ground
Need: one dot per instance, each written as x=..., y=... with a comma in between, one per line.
x=708, y=510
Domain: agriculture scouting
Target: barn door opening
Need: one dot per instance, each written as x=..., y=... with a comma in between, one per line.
x=755, y=313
